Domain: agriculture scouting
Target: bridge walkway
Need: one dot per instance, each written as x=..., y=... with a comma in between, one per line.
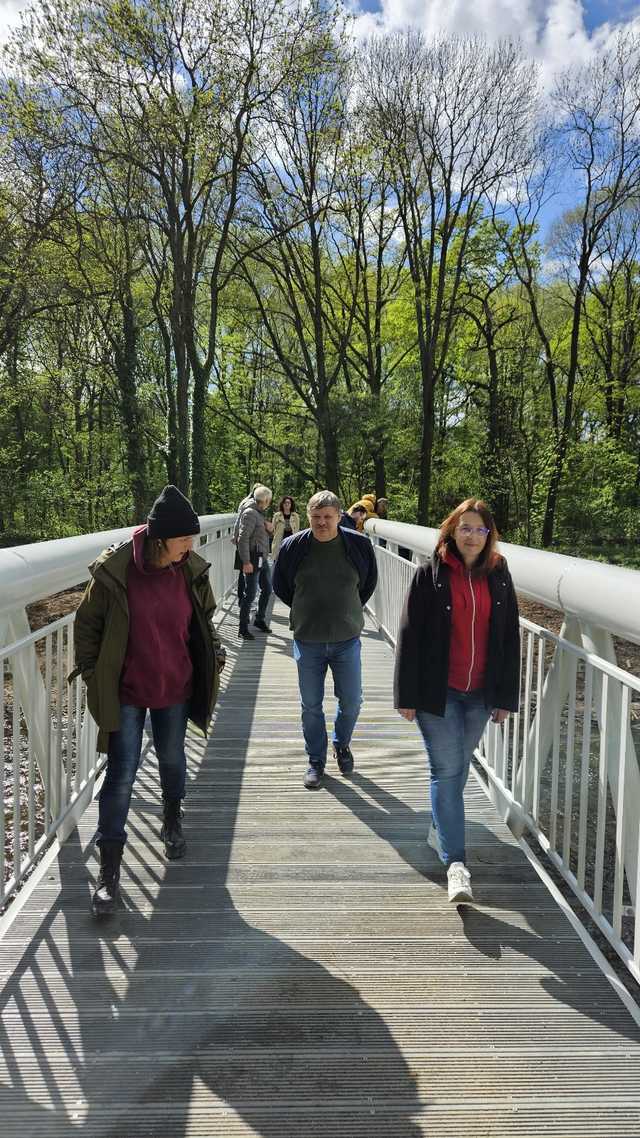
x=301, y=972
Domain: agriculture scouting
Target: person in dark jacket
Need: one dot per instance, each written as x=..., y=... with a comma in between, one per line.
x=326, y=574
x=457, y=663
x=144, y=641
x=347, y=521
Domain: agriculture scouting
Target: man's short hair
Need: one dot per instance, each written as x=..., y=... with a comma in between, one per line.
x=324, y=500
x=262, y=493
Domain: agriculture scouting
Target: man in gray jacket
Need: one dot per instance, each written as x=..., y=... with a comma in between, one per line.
x=253, y=552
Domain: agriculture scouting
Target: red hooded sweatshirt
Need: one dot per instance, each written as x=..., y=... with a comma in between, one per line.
x=157, y=669
x=470, y=617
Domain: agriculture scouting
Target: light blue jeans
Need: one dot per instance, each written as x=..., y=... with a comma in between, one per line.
x=450, y=741
x=313, y=658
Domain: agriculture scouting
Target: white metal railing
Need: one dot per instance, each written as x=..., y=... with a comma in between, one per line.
x=565, y=766
x=49, y=740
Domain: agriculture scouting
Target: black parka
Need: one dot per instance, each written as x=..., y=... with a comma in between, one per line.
x=422, y=651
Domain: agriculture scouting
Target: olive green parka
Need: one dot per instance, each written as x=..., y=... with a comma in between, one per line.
x=101, y=632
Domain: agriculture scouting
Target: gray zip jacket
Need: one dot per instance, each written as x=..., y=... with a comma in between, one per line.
x=243, y=505
x=253, y=539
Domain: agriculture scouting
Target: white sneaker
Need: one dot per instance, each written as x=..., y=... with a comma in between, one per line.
x=459, y=882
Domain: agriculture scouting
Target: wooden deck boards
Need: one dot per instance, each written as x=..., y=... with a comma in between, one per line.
x=301, y=972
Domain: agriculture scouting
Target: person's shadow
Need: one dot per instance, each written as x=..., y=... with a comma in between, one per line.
x=544, y=936
x=179, y=1013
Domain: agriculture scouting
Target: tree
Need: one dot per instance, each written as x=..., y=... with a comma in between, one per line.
x=454, y=115
x=596, y=139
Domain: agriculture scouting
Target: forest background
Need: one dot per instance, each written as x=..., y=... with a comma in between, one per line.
x=239, y=243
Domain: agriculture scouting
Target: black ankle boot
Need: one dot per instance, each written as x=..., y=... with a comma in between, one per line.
x=171, y=833
x=105, y=897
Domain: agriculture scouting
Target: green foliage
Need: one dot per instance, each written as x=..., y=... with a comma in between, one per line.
x=206, y=277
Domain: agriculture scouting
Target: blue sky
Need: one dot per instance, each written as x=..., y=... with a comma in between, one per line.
x=553, y=32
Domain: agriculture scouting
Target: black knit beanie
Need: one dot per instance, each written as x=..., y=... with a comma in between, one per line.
x=172, y=515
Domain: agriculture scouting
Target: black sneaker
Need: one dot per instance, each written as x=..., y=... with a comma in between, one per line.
x=262, y=625
x=245, y=634
x=344, y=758
x=313, y=777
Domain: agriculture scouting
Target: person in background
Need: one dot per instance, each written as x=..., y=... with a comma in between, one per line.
x=237, y=564
x=325, y=574
x=347, y=521
x=253, y=552
x=368, y=503
x=457, y=664
x=144, y=641
x=358, y=515
x=382, y=505
x=285, y=522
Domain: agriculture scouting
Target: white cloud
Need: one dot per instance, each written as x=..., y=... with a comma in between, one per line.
x=9, y=16
x=553, y=32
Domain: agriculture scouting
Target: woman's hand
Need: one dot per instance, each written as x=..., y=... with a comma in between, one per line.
x=408, y=713
x=247, y=567
x=498, y=715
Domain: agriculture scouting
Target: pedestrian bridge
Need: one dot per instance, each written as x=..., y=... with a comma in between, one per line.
x=301, y=972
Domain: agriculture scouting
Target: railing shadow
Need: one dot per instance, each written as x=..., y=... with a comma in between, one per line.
x=179, y=1007
x=490, y=936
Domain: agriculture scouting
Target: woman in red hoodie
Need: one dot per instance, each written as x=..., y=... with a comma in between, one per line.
x=457, y=663
x=144, y=641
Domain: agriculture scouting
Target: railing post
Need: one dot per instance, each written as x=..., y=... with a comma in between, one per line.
x=600, y=642
x=29, y=692
x=538, y=740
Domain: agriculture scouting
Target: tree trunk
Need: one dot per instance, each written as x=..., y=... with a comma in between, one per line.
x=126, y=367
x=379, y=466
x=331, y=460
x=428, y=429
x=199, y=473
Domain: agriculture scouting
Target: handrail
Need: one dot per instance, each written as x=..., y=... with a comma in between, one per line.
x=29, y=573
x=52, y=741
x=607, y=596
x=565, y=765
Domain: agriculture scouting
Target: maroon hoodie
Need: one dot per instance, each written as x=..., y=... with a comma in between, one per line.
x=157, y=669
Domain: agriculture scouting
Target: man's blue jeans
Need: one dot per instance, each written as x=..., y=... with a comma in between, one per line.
x=169, y=725
x=262, y=577
x=450, y=741
x=313, y=659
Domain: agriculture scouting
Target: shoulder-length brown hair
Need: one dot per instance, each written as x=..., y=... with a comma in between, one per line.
x=489, y=557
x=282, y=502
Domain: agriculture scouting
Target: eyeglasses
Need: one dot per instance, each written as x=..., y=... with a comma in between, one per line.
x=480, y=531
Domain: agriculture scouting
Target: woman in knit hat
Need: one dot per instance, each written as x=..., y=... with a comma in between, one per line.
x=144, y=642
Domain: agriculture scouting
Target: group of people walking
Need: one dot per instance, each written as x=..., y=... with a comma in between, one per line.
x=145, y=641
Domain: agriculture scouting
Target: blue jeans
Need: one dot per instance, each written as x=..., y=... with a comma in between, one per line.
x=261, y=576
x=450, y=741
x=169, y=725
x=313, y=659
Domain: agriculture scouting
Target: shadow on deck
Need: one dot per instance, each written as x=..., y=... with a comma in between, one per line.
x=300, y=973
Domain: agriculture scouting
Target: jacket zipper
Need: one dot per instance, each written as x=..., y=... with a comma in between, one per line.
x=473, y=634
